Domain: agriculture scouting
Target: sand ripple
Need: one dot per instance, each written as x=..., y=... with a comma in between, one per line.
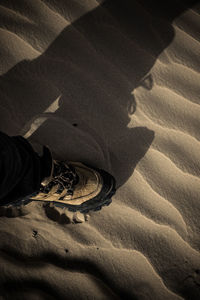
x=128, y=77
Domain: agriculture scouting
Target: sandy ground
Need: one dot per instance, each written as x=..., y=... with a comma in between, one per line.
x=114, y=84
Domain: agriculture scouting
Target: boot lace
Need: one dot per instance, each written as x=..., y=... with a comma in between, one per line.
x=64, y=176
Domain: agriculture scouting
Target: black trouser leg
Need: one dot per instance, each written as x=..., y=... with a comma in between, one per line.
x=21, y=168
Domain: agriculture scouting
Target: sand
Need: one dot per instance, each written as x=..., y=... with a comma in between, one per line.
x=114, y=84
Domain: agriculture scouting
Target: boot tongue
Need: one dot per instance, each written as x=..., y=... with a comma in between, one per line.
x=63, y=176
x=65, y=173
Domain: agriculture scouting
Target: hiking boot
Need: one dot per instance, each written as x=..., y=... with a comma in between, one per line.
x=77, y=187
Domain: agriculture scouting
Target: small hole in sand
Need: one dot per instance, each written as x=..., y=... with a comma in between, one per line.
x=66, y=250
x=35, y=233
x=75, y=125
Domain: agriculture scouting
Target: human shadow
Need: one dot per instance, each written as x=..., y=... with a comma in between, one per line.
x=92, y=67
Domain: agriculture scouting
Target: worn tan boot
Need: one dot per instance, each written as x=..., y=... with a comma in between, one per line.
x=77, y=187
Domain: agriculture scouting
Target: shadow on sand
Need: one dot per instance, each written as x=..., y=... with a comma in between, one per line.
x=69, y=263
x=92, y=68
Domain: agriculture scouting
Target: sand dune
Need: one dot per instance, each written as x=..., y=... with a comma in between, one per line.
x=126, y=74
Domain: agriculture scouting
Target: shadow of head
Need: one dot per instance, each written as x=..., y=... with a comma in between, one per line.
x=95, y=64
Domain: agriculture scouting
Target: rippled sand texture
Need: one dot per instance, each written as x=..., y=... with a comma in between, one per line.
x=114, y=84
